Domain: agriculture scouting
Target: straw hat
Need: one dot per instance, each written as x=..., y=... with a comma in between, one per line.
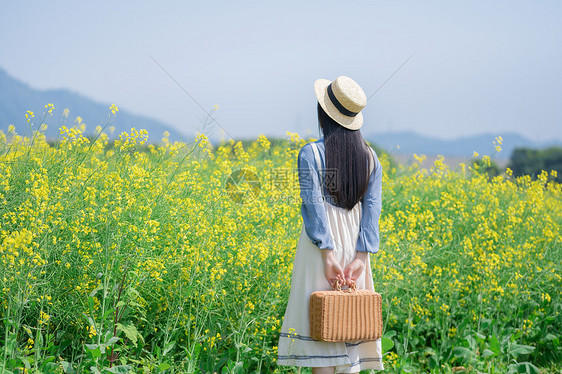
x=342, y=100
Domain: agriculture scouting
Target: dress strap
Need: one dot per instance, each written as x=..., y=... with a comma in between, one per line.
x=372, y=152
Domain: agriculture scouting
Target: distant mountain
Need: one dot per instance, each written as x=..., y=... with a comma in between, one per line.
x=16, y=98
x=408, y=142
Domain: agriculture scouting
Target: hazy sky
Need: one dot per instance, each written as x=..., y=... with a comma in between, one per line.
x=478, y=66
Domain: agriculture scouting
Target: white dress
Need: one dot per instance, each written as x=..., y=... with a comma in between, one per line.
x=296, y=347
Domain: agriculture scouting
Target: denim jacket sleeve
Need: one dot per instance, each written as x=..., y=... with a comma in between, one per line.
x=368, y=240
x=313, y=211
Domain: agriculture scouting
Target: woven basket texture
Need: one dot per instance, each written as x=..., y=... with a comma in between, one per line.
x=345, y=315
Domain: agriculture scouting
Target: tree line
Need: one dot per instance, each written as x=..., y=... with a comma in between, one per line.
x=528, y=161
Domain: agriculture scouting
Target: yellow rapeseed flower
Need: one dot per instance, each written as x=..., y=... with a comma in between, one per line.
x=50, y=108
x=29, y=115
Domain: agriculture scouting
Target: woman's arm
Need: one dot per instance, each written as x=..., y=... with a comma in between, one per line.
x=313, y=211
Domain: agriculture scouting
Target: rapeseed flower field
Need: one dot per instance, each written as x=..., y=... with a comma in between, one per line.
x=177, y=257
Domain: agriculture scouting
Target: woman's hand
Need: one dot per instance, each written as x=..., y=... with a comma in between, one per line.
x=332, y=268
x=356, y=267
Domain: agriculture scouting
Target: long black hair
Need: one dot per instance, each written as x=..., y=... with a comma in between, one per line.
x=348, y=160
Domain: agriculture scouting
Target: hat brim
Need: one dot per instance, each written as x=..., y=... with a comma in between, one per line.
x=351, y=123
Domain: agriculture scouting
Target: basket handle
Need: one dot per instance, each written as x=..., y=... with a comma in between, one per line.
x=336, y=285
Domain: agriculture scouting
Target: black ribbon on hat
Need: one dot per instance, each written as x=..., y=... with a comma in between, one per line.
x=338, y=105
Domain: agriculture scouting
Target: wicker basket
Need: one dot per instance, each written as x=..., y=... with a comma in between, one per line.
x=345, y=315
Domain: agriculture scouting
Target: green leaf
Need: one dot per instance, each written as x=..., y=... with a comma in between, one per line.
x=238, y=368
x=471, y=342
x=462, y=352
x=49, y=359
x=517, y=335
x=108, y=312
x=112, y=340
x=429, y=351
x=119, y=369
x=168, y=348
x=495, y=345
x=49, y=366
x=95, y=350
x=163, y=366
x=407, y=368
x=95, y=291
x=243, y=345
x=518, y=349
x=131, y=333
x=487, y=353
x=196, y=351
x=523, y=367
x=387, y=344
x=25, y=362
x=229, y=365
x=389, y=334
x=67, y=367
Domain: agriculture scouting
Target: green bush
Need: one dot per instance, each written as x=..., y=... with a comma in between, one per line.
x=526, y=161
